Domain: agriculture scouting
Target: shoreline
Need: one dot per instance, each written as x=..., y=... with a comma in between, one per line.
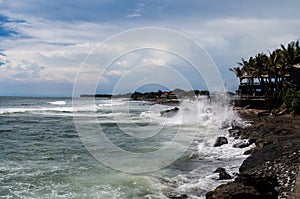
x=272, y=167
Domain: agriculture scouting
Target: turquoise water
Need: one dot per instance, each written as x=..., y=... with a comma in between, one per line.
x=42, y=155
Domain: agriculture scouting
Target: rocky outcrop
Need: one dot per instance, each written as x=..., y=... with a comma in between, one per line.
x=245, y=188
x=270, y=171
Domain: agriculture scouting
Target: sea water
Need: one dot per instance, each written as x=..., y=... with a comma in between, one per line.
x=44, y=154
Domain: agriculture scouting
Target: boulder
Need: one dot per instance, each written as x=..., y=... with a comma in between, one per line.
x=234, y=133
x=170, y=112
x=220, y=141
x=223, y=175
x=246, y=187
x=242, y=144
x=233, y=190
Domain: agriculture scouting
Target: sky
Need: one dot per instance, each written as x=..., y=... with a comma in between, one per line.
x=46, y=46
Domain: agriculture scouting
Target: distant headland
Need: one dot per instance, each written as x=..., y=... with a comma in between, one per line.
x=154, y=95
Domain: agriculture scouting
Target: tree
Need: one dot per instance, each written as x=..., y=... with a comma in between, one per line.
x=274, y=67
x=272, y=71
x=238, y=72
x=290, y=57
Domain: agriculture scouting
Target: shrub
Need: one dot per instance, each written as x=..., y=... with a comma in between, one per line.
x=291, y=99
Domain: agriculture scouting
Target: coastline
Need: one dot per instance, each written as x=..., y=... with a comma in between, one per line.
x=271, y=169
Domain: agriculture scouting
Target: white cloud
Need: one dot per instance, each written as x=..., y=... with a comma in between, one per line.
x=115, y=72
x=21, y=70
x=61, y=46
x=140, y=8
x=156, y=61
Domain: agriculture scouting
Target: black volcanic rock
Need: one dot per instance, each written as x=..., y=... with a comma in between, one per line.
x=223, y=175
x=242, y=144
x=170, y=112
x=270, y=171
x=220, y=141
x=245, y=188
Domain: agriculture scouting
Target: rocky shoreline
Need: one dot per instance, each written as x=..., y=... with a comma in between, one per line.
x=271, y=169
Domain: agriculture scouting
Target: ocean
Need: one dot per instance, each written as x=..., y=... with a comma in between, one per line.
x=112, y=148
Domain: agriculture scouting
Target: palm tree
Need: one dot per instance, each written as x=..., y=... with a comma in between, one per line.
x=259, y=70
x=238, y=72
x=290, y=56
x=274, y=68
x=270, y=70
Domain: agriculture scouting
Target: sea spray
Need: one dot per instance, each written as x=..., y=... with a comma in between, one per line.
x=215, y=118
x=57, y=103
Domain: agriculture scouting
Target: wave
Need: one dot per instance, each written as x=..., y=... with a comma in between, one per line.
x=105, y=105
x=202, y=179
x=57, y=103
x=35, y=110
x=117, y=114
x=13, y=110
x=149, y=115
x=199, y=112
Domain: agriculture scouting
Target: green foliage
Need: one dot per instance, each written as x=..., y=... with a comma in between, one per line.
x=291, y=99
x=272, y=70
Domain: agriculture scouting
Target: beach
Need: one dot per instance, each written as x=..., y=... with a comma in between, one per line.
x=271, y=169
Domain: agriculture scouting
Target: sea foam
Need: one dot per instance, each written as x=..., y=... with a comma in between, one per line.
x=57, y=103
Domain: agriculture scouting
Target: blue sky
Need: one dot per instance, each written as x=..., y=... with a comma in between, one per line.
x=43, y=42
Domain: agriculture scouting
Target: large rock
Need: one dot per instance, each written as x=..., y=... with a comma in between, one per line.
x=234, y=133
x=220, y=141
x=233, y=190
x=170, y=112
x=242, y=144
x=223, y=175
x=246, y=187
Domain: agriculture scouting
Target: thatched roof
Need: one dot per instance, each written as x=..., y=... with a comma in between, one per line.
x=297, y=66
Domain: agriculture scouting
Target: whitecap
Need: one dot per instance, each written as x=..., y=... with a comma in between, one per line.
x=57, y=103
x=13, y=110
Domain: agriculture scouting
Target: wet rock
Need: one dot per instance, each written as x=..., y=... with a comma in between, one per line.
x=234, y=133
x=242, y=144
x=248, y=152
x=183, y=196
x=270, y=171
x=238, y=191
x=223, y=175
x=252, y=141
x=246, y=186
x=225, y=124
x=220, y=141
x=169, y=113
x=233, y=190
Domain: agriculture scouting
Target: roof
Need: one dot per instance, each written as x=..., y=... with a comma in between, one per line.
x=264, y=76
x=297, y=66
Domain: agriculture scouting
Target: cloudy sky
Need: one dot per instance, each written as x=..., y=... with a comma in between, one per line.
x=45, y=43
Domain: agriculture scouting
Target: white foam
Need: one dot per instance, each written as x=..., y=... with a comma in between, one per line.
x=110, y=103
x=202, y=179
x=35, y=110
x=224, y=152
x=202, y=112
x=57, y=103
x=150, y=115
x=214, y=120
x=14, y=110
